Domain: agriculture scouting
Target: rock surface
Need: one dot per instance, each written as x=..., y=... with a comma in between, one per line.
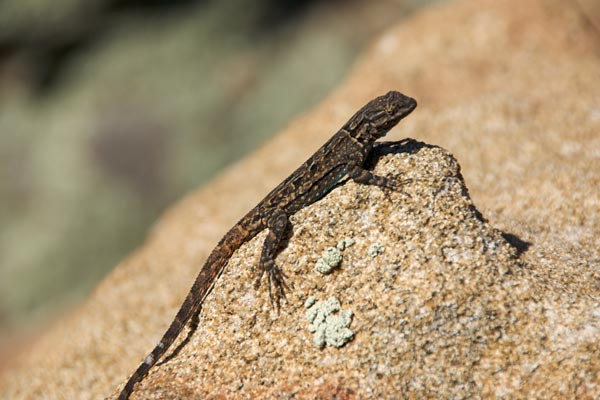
x=454, y=306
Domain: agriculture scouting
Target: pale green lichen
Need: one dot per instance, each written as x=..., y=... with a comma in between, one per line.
x=345, y=243
x=330, y=259
x=310, y=300
x=328, y=322
x=375, y=249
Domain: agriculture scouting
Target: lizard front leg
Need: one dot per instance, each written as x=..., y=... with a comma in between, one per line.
x=360, y=175
x=276, y=225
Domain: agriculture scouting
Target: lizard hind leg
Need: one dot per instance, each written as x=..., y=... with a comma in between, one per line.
x=276, y=224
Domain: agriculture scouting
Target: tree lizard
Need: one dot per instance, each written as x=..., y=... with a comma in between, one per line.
x=344, y=155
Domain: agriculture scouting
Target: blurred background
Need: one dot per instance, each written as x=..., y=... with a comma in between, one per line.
x=110, y=110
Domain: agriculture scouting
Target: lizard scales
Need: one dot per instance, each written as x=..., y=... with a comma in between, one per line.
x=342, y=155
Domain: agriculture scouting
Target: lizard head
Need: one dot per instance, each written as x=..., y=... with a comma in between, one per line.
x=384, y=112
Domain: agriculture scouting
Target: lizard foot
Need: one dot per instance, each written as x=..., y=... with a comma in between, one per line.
x=276, y=283
x=393, y=183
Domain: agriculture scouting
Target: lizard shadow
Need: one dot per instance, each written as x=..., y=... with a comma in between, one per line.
x=406, y=145
x=520, y=245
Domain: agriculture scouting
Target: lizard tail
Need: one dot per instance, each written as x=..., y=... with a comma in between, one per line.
x=183, y=315
x=202, y=286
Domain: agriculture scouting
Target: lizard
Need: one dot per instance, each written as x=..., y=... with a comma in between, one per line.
x=343, y=155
